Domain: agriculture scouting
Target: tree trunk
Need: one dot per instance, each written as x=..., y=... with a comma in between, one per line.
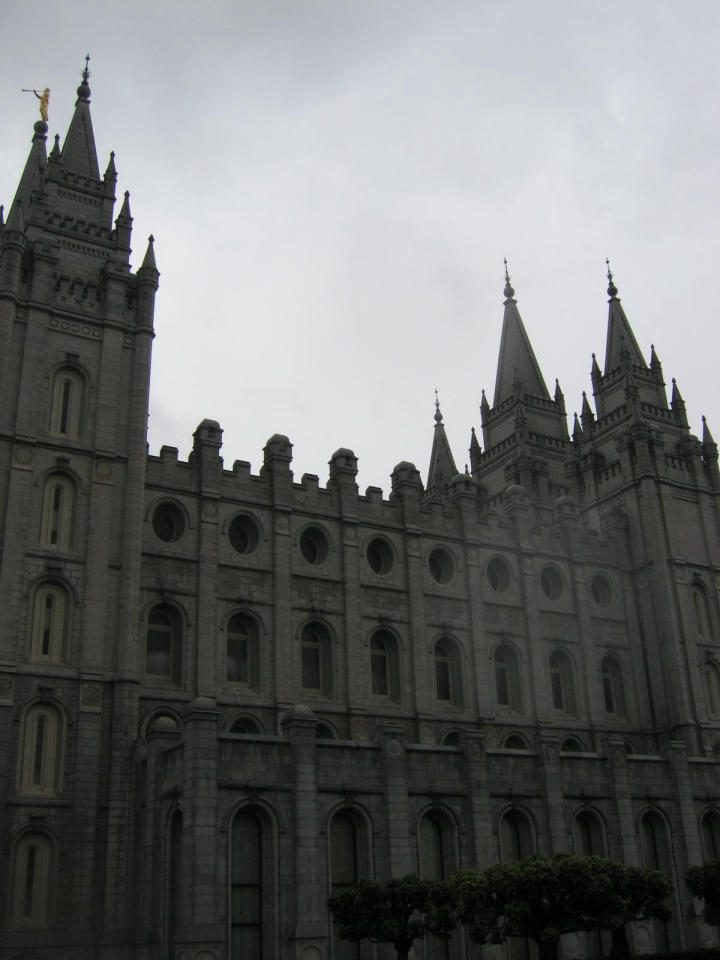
x=620, y=948
x=548, y=949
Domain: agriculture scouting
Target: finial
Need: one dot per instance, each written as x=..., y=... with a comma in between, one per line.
x=612, y=289
x=438, y=415
x=86, y=71
x=151, y=239
x=509, y=293
x=83, y=91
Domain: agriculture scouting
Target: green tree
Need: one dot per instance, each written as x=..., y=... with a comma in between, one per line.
x=398, y=912
x=637, y=894
x=704, y=883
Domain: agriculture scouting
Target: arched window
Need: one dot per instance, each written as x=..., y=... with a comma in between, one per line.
x=174, y=878
x=711, y=835
x=316, y=657
x=324, y=731
x=589, y=835
x=384, y=665
x=712, y=688
x=657, y=855
x=343, y=873
x=242, y=664
x=448, y=673
x=32, y=888
x=68, y=401
x=571, y=745
x=56, y=527
x=613, y=688
x=702, y=611
x=515, y=742
x=562, y=683
x=437, y=861
x=517, y=837
x=163, y=659
x=246, y=725
x=41, y=753
x=507, y=678
x=49, y=623
x=246, y=888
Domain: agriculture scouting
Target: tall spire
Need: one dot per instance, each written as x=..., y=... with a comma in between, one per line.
x=621, y=340
x=517, y=367
x=35, y=166
x=442, y=463
x=78, y=153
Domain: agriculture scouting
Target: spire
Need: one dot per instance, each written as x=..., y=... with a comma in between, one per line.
x=442, y=464
x=55, y=152
x=123, y=225
x=677, y=404
x=474, y=450
x=148, y=264
x=707, y=438
x=586, y=414
x=595, y=371
x=517, y=367
x=33, y=174
x=559, y=396
x=577, y=433
x=78, y=153
x=620, y=338
x=111, y=171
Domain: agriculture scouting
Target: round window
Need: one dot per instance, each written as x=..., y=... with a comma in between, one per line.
x=168, y=521
x=379, y=555
x=498, y=574
x=314, y=545
x=551, y=583
x=243, y=534
x=441, y=565
x=601, y=590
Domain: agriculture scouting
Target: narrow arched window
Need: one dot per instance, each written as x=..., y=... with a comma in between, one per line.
x=343, y=873
x=517, y=838
x=657, y=855
x=31, y=893
x=588, y=835
x=711, y=835
x=68, y=401
x=384, y=666
x=613, y=688
x=41, y=752
x=448, y=682
x=246, y=888
x=242, y=651
x=49, y=623
x=507, y=678
x=712, y=688
x=562, y=683
x=702, y=612
x=163, y=654
x=56, y=527
x=436, y=862
x=316, y=656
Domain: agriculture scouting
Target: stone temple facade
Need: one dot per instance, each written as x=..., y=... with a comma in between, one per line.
x=224, y=695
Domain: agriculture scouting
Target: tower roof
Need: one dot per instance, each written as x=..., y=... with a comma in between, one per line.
x=517, y=365
x=32, y=175
x=442, y=463
x=78, y=152
x=620, y=338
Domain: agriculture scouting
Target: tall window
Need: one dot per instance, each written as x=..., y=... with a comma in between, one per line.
x=589, y=835
x=242, y=650
x=517, y=838
x=40, y=768
x=657, y=855
x=712, y=688
x=448, y=682
x=66, y=413
x=613, y=688
x=711, y=835
x=384, y=665
x=562, y=683
x=49, y=620
x=507, y=678
x=31, y=892
x=56, y=527
x=175, y=879
x=436, y=862
x=163, y=658
x=246, y=906
x=702, y=611
x=316, y=658
x=343, y=873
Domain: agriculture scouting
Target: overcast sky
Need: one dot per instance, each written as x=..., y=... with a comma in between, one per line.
x=333, y=186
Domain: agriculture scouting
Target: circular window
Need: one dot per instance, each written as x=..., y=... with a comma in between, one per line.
x=441, y=565
x=314, y=545
x=379, y=555
x=601, y=590
x=498, y=574
x=243, y=534
x=551, y=583
x=168, y=521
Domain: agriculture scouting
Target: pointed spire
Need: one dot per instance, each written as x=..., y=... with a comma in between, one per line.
x=677, y=404
x=707, y=437
x=517, y=367
x=595, y=371
x=621, y=343
x=78, y=153
x=442, y=464
x=35, y=166
x=587, y=416
x=55, y=152
x=577, y=433
x=123, y=225
x=474, y=451
x=654, y=359
x=559, y=396
x=148, y=263
x=111, y=171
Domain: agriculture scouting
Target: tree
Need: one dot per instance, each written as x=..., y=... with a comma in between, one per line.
x=704, y=883
x=543, y=898
x=398, y=912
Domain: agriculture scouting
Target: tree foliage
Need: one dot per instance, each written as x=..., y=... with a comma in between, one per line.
x=703, y=882
x=398, y=912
